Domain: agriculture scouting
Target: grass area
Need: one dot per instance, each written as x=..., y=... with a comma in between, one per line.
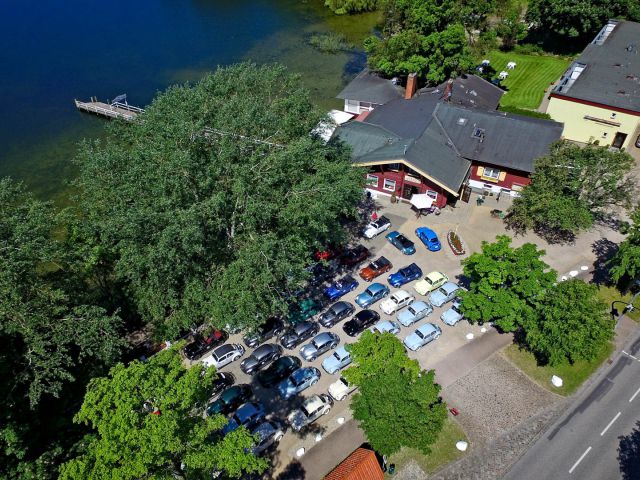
x=572, y=375
x=527, y=82
x=612, y=294
x=443, y=451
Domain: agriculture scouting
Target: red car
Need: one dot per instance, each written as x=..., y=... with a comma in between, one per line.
x=203, y=344
x=354, y=256
x=375, y=269
x=327, y=254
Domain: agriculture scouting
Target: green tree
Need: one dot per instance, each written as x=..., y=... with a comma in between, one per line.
x=147, y=424
x=511, y=27
x=397, y=404
x=207, y=208
x=571, y=323
x=341, y=7
x=625, y=264
x=570, y=188
x=506, y=283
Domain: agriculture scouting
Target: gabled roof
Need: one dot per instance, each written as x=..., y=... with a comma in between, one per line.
x=370, y=87
x=473, y=92
x=362, y=464
x=608, y=71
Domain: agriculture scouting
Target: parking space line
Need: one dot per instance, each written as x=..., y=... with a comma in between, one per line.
x=579, y=460
x=634, y=395
x=610, y=423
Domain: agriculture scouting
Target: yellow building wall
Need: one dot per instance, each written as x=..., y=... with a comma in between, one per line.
x=580, y=129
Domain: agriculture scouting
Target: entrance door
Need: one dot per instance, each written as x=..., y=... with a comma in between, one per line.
x=466, y=194
x=409, y=190
x=619, y=139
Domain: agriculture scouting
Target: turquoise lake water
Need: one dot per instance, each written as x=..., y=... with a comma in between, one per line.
x=54, y=52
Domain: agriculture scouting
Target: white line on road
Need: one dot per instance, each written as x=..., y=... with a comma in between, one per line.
x=579, y=460
x=629, y=355
x=610, y=423
x=634, y=395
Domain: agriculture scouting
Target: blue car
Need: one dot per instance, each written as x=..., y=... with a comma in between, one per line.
x=340, y=287
x=299, y=380
x=405, y=275
x=248, y=415
x=429, y=238
x=373, y=293
x=401, y=242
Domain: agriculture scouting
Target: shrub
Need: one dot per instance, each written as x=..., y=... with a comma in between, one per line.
x=329, y=42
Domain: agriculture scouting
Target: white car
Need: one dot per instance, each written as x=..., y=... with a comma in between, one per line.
x=386, y=326
x=224, y=355
x=340, y=389
x=377, y=227
x=312, y=409
x=396, y=301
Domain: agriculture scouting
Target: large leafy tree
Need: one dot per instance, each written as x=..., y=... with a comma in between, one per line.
x=148, y=423
x=570, y=188
x=625, y=264
x=208, y=206
x=397, y=404
x=506, y=284
x=571, y=323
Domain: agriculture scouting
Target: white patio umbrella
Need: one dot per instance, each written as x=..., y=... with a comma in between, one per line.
x=421, y=201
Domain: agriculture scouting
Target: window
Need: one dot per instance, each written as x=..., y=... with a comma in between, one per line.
x=493, y=173
x=353, y=103
x=389, y=185
x=372, y=180
x=432, y=194
x=517, y=187
x=394, y=167
x=478, y=133
x=605, y=134
x=462, y=121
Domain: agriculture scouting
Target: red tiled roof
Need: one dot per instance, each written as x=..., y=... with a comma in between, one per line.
x=362, y=464
x=362, y=116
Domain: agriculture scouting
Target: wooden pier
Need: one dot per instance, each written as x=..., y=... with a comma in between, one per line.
x=112, y=110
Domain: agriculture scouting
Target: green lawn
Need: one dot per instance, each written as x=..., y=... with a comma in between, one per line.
x=612, y=294
x=527, y=82
x=572, y=375
x=442, y=452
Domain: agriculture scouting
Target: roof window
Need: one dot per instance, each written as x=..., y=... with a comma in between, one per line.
x=478, y=133
x=605, y=32
x=462, y=121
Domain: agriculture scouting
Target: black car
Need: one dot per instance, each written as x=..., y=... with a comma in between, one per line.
x=360, y=321
x=297, y=334
x=273, y=327
x=335, y=313
x=203, y=344
x=278, y=371
x=222, y=381
x=261, y=356
x=230, y=399
x=354, y=256
x=322, y=271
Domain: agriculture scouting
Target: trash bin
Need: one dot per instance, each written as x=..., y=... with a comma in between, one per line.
x=392, y=469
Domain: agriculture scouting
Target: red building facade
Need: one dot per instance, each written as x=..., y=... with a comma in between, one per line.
x=496, y=179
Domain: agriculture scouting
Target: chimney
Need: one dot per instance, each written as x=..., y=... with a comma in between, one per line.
x=412, y=84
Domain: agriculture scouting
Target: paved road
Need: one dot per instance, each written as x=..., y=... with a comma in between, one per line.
x=583, y=443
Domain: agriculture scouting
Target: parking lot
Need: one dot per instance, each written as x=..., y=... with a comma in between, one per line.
x=451, y=339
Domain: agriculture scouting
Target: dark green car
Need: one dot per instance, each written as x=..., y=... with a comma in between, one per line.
x=303, y=310
x=230, y=399
x=278, y=371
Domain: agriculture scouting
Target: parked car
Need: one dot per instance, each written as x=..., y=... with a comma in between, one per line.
x=341, y=388
x=269, y=433
x=340, y=287
x=271, y=328
x=429, y=283
x=230, y=399
x=354, y=256
x=375, y=269
x=414, y=312
x=278, y=371
x=336, y=313
x=312, y=409
x=401, y=242
x=376, y=227
x=204, y=343
x=260, y=357
x=224, y=355
x=452, y=315
x=339, y=359
x=302, y=310
x=222, y=381
x=299, y=380
x=444, y=294
x=327, y=253
x=424, y=334
x=397, y=301
x=373, y=293
x=247, y=415
x=386, y=326
x=429, y=238
x=361, y=320
x=405, y=275
x=321, y=343
x=322, y=271
x=297, y=334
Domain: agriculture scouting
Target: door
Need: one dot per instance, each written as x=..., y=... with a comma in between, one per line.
x=466, y=194
x=619, y=139
x=409, y=190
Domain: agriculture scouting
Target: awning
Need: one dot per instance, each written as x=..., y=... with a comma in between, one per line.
x=421, y=201
x=325, y=129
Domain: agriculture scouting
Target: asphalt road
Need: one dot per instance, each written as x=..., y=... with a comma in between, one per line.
x=584, y=442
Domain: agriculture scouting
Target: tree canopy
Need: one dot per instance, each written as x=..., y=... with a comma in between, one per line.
x=397, y=404
x=571, y=323
x=208, y=207
x=506, y=284
x=625, y=264
x=147, y=425
x=570, y=188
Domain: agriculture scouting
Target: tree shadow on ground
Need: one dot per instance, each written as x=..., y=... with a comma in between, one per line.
x=604, y=249
x=294, y=471
x=629, y=454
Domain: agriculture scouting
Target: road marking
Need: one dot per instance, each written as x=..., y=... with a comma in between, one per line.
x=629, y=355
x=610, y=423
x=579, y=460
x=634, y=395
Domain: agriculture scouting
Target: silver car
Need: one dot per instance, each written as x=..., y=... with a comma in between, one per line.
x=269, y=433
x=312, y=409
x=320, y=344
x=224, y=355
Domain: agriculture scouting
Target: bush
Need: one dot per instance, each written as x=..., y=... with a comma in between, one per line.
x=525, y=112
x=329, y=42
x=529, y=49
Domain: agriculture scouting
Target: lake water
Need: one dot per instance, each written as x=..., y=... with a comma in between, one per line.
x=53, y=52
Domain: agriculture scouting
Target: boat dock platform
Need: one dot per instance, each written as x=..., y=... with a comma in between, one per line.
x=110, y=110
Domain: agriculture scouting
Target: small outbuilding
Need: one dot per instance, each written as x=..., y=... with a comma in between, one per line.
x=362, y=464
